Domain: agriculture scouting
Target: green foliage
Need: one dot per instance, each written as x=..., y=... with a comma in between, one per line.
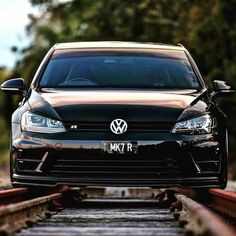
x=4, y=144
x=207, y=28
x=4, y=128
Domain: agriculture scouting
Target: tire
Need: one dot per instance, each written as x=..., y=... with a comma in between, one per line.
x=224, y=172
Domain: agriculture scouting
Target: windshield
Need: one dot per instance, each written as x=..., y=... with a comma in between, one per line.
x=119, y=70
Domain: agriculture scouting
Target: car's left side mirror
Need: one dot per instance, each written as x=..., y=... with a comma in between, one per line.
x=221, y=88
x=14, y=86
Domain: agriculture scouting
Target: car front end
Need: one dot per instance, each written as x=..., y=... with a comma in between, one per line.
x=86, y=151
x=118, y=114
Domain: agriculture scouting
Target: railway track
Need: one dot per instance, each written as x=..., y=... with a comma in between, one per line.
x=126, y=211
x=219, y=200
x=12, y=195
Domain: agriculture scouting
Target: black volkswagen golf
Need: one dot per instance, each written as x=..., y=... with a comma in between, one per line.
x=118, y=114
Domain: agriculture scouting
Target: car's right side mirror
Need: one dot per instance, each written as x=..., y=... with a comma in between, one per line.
x=14, y=86
x=221, y=88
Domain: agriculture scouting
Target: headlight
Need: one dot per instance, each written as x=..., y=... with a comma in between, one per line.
x=199, y=125
x=36, y=123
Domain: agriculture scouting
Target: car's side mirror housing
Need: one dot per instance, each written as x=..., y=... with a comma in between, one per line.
x=221, y=88
x=14, y=86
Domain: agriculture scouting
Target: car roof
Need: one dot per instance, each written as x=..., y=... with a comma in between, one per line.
x=116, y=44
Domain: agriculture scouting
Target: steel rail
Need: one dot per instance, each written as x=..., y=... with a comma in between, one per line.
x=199, y=220
x=12, y=195
x=223, y=201
x=15, y=216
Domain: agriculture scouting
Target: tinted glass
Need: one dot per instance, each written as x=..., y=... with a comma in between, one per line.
x=120, y=70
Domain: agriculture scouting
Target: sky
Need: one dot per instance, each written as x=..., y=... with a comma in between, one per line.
x=13, y=20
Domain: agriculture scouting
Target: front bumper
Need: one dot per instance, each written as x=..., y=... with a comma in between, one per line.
x=170, y=160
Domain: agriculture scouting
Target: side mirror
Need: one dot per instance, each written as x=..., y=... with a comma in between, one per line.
x=221, y=88
x=14, y=86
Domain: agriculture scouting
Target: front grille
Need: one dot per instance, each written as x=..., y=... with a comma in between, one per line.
x=150, y=163
x=132, y=126
x=147, y=164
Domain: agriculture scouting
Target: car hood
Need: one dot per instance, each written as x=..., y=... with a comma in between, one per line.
x=106, y=105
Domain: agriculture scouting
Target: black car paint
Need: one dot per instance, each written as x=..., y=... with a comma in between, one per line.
x=83, y=140
x=102, y=105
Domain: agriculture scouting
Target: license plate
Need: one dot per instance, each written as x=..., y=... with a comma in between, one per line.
x=120, y=147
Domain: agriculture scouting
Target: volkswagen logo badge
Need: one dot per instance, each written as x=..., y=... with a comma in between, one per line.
x=118, y=126
x=74, y=126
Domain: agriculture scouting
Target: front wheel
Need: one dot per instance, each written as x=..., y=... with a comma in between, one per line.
x=224, y=167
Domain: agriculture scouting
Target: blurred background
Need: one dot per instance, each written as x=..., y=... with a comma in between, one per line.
x=28, y=28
